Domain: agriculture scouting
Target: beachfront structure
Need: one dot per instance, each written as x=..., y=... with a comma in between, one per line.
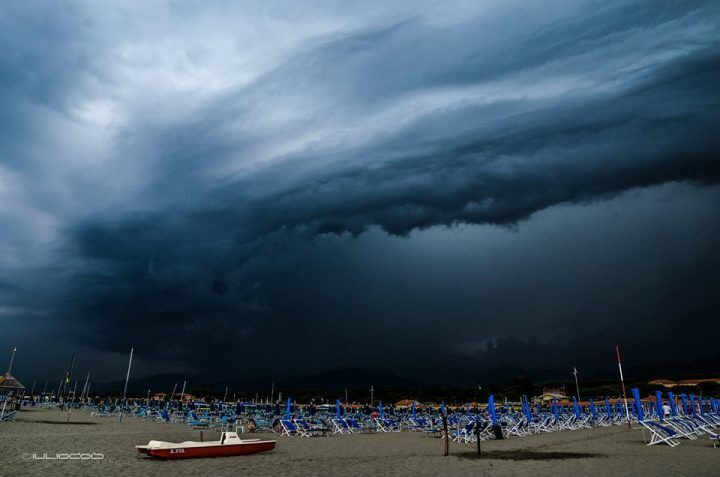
x=550, y=395
x=8, y=383
x=669, y=384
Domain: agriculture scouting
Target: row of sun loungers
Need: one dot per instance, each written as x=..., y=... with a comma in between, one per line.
x=684, y=423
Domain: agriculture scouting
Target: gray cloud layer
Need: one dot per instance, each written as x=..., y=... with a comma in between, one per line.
x=189, y=177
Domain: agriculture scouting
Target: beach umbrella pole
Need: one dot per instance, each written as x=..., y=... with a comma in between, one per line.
x=12, y=358
x=577, y=386
x=622, y=385
x=446, y=435
x=172, y=394
x=85, y=386
x=67, y=385
x=127, y=378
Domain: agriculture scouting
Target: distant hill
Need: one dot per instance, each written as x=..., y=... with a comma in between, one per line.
x=350, y=378
x=356, y=378
x=336, y=379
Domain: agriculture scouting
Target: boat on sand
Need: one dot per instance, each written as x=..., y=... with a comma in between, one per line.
x=229, y=444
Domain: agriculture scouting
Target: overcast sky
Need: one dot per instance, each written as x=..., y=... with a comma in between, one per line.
x=421, y=187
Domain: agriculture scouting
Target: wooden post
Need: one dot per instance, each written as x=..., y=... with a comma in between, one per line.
x=446, y=436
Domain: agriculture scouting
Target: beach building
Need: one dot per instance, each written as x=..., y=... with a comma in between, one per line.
x=407, y=404
x=668, y=383
x=8, y=384
x=550, y=394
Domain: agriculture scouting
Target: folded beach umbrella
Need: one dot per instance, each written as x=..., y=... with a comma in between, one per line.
x=659, y=406
x=380, y=410
x=443, y=411
x=576, y=408
x=526, y=409
x=714, y=404
x=673, y=407
x=608, y=409
x=556, y=411
x=467, y=409
x=593, y=411
x=692, y=405
x=338, y=409
x=638, y=403
x=491, y=409
x=287, y=410
x=539, y=408
x=683, y=399
x=412, y=409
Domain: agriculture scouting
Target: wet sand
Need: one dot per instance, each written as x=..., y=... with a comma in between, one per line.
x=606, y=451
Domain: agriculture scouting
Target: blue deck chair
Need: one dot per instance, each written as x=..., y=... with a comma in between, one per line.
x=465, y=434
x=658, y=433
x=305, y=426
x=9, y=415
x=289, y=428
x=340, y=426
x=194, y=422
x=661, y=434
x=163, y=416
x=353, y=425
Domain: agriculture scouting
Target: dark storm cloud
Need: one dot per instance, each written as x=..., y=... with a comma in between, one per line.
x=193, y=186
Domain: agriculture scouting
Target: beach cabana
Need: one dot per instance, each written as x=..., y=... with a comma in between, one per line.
x=9, y=384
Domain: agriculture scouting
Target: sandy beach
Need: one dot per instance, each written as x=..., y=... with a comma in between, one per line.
x=606, y=451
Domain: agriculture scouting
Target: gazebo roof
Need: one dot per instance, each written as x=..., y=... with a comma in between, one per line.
x=7, y=381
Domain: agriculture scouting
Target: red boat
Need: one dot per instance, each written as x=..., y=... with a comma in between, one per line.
x=228, y=445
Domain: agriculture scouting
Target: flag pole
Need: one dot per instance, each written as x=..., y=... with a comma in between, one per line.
x=622, y=384
x=127, y=378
